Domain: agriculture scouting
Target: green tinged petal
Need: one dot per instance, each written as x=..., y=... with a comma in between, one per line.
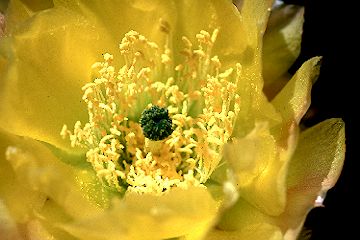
x=254, y=104
x=313, y=170
x=19, y=200
x=281, y=46
x=294, y=99
x=259, y=166
x=77, y=191
x=151, y=217
x=243, y=221
x=260, y=231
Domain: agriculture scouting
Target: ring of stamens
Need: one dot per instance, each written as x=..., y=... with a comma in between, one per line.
x=113, y=137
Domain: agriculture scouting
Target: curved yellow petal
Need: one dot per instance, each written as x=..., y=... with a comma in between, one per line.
x=260, y=231
x=260, y=168
x=77, y=191
x=120, y=16
x=294, y=99
x=18, y=11
x=18, y=199
x=180, y=213
x=314, y=169
x=8, y=228
x=243, y=221
x=282, y=42
x=48, y=61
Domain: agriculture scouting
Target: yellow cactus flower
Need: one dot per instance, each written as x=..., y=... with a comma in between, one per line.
x=136, y=119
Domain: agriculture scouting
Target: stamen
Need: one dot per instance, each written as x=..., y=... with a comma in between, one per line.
x=158, y=152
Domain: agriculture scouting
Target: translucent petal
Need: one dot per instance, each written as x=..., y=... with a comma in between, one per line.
x=19, y=200
x=18, y=11
x=187, y=213
x=8, y=228
x=39, y=171
x=231, y=42
x=243, y=221
x=118, y=17
x=314, y=169
x=282, y=42
x=260, y=168
x=48, y=61
x=294, y=99
x=261, y=159
x=254, y=105
x=37, y=5
x=260, y=231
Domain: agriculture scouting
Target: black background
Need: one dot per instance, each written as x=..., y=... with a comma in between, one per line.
x=330, y=31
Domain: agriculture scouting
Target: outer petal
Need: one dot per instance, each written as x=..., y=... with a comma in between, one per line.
x=77, y=191
x=26, y=211
x=180, y=213
x=294, y=99
x=48, y=61
x=260, y=160
x=19, y=200
x=260, y=231
x=260, y=167
x=243, y=221
x=314, y=169
x=254, y=105
x=282, y=42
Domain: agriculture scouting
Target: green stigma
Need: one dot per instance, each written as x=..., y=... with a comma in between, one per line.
x=156, y=123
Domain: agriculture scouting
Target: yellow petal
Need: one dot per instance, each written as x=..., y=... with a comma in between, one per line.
x=8, y=228
x=294, y=99
x=314, y=169
x=37, y=5
x=254, y=104
x=180, y=213
x=260, y=231
x=118, y=17
x=19, y=200
x=282, y=41
x=37, y=169
x=48, y=61
x=243, y=221
x=260, y=168
x=19, y=11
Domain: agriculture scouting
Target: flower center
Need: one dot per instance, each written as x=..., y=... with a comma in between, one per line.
x=190, y=111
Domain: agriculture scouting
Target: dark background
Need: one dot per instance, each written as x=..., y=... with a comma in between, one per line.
x=329, y=31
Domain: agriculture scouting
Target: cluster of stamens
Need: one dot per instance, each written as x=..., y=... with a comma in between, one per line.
x=200, y=100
